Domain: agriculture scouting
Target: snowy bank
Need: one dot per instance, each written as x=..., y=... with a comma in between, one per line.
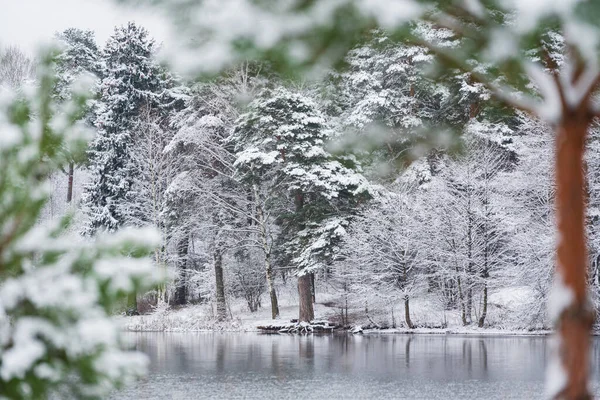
x=427, y=315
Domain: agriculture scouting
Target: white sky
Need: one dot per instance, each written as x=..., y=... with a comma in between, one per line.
x=28, y=23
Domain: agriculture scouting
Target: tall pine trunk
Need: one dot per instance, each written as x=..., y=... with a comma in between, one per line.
x=306, y=313
x=575, y=319
x=180, y=295
x=313, y=287
x=70, y=182
x=220, y=286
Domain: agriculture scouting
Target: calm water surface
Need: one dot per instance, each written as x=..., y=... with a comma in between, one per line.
x=250, y=365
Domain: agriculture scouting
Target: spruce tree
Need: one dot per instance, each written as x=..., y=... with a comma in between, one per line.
x=281, y=142
x=132, y=81
x=80, y=56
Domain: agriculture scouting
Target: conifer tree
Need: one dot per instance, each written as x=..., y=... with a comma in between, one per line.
x=132, y=81
x=80, y=56
x=281, y=142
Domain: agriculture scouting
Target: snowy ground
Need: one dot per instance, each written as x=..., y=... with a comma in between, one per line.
x=426, y=314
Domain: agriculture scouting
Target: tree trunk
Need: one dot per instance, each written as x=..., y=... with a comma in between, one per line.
x=463, y=314
x=305, y=296
x=407, y=313
x=180, y=294
x=469, y=313
x=267, y=253
x=470, y=265
x=485, y=304
x=575, y=318
x=70, y=182
x=307, y=313
x=312, y=287
x=271, y=286
x=486, y=250
x=132, y=305
x=220, y=286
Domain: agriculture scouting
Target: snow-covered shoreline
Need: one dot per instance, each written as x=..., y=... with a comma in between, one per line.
x=426, y=315
x=390, y=331
x=178, y=321
x=460, y=331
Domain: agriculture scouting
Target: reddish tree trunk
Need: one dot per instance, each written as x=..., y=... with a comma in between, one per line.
x=575, y=321
x=306, y=313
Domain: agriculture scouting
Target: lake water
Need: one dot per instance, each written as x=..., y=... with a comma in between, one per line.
x=251, y=365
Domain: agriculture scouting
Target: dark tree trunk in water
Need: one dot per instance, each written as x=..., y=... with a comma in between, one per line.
x=576, y=319
x=407, y=313
x=220, y=286
x=180, y=295
x=70, y=182
x=307, y=313
x=485, y=304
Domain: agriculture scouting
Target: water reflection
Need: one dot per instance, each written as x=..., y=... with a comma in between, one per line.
x=233, y=365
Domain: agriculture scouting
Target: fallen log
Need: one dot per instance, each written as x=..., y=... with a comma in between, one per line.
x=300, y=327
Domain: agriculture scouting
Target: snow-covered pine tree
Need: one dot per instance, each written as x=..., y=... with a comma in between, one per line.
x=383, y=84
x=281, y=140
x=387, y=103
x=79, y=56
x=132, y=81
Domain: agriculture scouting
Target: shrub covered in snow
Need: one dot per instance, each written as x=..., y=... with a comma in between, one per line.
x=57, y=290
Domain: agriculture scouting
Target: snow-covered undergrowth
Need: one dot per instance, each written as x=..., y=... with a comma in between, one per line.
x=505, y=316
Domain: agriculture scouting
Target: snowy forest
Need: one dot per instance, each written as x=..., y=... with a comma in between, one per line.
x=257, y=187
x=388, y=185
x=249, y=181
